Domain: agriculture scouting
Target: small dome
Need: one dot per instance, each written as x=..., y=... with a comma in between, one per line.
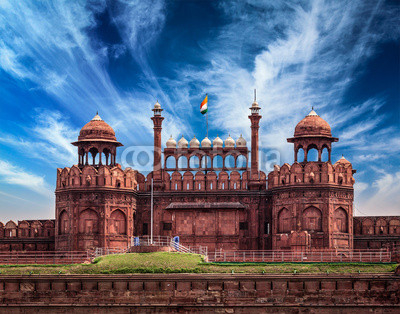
x=217, y=142
x=241, y=142
x=343, y=161
x=171, y=143
x=206, y=143
x=157, y=105
x=229, y=142
x=312, y=125
x=182, y=143
x=97, y=129
x=194, y=143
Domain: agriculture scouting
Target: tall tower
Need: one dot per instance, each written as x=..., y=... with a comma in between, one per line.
x=157, y=169
x=96, y=199
x=312, y=201
x=254, y=117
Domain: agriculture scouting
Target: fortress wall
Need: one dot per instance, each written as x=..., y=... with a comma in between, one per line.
x=325, y=293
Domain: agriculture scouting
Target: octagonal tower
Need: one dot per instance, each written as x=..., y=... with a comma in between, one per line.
x=312, y=201
x=95, y=199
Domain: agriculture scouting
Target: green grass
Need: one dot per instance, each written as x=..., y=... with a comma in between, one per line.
x=164, y=262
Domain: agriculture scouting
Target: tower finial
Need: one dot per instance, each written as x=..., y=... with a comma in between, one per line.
x=255, y=95
x=312, y=107
x=97, y=112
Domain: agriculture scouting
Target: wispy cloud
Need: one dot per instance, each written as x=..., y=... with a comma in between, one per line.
x=15, y=175
x=48, y=139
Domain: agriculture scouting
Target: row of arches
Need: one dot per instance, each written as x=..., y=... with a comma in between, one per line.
x=311, y=220
x=96, y=157
x=379, y=226
x=27, y=229
x=312, y=153
x=206, y=162
x=89, y=222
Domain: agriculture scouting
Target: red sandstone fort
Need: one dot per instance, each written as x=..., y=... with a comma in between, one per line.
x=207, y=194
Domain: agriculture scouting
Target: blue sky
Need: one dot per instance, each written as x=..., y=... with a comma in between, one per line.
x=61, y=61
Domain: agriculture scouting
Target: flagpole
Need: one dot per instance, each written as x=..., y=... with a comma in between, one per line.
x=207, y=120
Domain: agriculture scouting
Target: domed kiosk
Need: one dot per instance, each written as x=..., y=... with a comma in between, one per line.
x=312, y=132
x=98, y=139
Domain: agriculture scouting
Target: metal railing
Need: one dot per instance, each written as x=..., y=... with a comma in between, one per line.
x=147, y=241
x=43, y=257
x=370, y=256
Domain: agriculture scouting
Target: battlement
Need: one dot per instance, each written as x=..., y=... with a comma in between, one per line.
x=312, y=173
x=199, y=181
x=91, y=176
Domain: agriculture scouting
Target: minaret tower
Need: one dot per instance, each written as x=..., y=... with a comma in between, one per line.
x=157, y=170
x=255, y=117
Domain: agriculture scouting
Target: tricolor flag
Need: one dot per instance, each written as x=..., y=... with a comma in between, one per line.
x=203, y=105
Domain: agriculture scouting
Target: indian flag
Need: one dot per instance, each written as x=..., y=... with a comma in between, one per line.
x=203, y=106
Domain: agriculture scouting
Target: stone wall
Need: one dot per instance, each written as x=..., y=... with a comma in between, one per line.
x=234, y=292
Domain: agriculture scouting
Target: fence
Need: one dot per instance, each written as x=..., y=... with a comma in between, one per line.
x=45, y=257
x=372, y=256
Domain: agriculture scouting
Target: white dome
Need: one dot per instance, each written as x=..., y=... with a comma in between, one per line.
x=182, y=143
x=157, y=105
x=229, y=142
x=194, y=143
x=217, y=142
x=206, y=143
x=171, y=143
x=241, y=142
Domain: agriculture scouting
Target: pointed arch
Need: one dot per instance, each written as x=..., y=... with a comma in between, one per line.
x=88, y=222
x=117, y=222
x=312, y=219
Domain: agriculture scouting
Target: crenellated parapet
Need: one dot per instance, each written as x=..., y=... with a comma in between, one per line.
x=90, y=176
x=200, y=181
x=314, y=173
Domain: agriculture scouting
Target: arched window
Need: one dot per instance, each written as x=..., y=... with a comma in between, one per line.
x=312, y=153
x=63, y=223
x=182, y=162
x=312, y=219
x=284, y=221
x=206, y=162
x=300, y=155
x=230, y=162
x=88, y=222
x=325, y=154
x=340, y=220
x=117, y=222
x=170, y=162
x=95, y=156
x=217, y=162
x=241, y=161
x=194, y=162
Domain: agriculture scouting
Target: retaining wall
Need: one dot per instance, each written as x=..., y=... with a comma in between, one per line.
x=232, y=293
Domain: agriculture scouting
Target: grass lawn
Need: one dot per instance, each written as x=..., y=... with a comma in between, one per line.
x=165, y=262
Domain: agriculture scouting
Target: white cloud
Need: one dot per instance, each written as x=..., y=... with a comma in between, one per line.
x=49, y=139
x=386, y=199
x=14, y=175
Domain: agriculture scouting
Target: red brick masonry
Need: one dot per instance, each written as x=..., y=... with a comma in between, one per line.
x=207, y=292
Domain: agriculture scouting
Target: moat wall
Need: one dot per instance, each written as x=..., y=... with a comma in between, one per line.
x=233, y=293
